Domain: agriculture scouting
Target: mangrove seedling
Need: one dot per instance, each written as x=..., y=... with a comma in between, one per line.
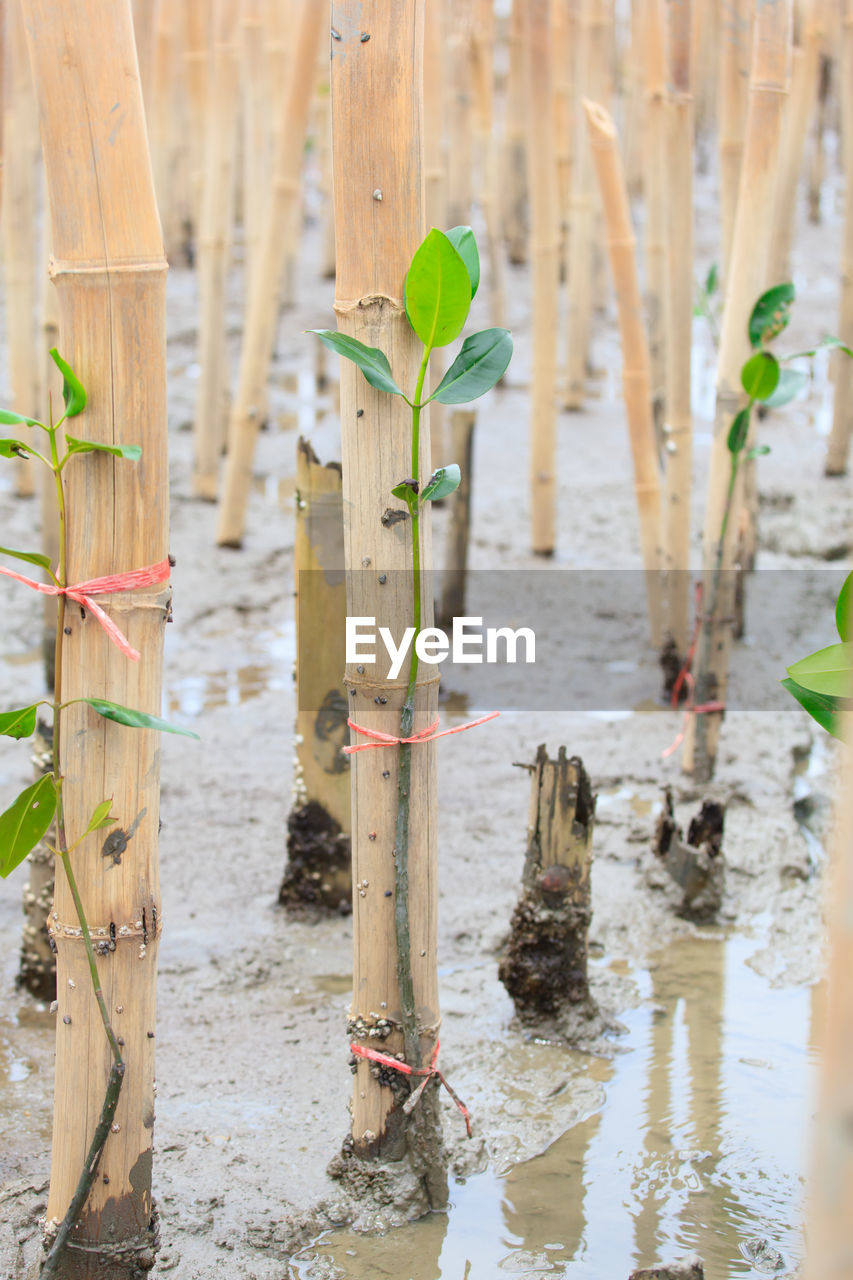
x=822, y=683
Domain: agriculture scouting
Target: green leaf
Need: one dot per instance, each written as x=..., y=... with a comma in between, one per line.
x=828, y=671
x=844, y=609
x=133, y=452
x=408, y=493
x=18, y=724
x=134, y=719
x=13, y=449
x=25, y=822
x=9, y=419
x=759, y=377
x=101, y=817
x=481, y=362
x=73, y=391
x=710, y=285
x=770, y=314
x=372, y=362
x=825, y=710
x=31, y=557
x=738, y=432
x=442, y=482
x=791, y=383
x=825, y=343
x=437, y=291
x=463, y=241
x=759, y=451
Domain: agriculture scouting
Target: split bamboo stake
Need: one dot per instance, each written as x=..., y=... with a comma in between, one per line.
x=213, y=250
x=544, y=254
x=735, y=45
x=262, y=309
x=21, y=147
x=376, y=240
x=655, y=195
x=678, y=455
x=842, y=416
x=747, y=280
x=110, y=275
x=621, y=245
x=514, y=161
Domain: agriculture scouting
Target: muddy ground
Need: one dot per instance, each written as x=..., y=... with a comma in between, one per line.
x=253, y=1079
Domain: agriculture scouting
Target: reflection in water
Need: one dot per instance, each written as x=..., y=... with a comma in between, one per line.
x=700, y=1146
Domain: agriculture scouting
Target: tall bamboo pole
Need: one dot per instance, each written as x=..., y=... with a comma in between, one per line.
x=276, y=243
x=162, y=127
x=514, y=162
x=636, y=380
x=733, y=90
x=435, y=178
x=214, y=239
x=544, y=255
x=747, y=279
x=196, y=62
x=457, y=22
x=817, y=164
x=20, y=132
x=679, y=436
x=257, y=101
x=655, y=197
x=372, y=79
x=110, y=274
x=842, y=415
x=486, y=153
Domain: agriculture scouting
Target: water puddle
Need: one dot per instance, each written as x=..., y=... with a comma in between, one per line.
x=236, y=683
x=700, y=1145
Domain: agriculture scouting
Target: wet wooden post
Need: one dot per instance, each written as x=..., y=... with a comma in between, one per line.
x=319, y=872
x=544, y=968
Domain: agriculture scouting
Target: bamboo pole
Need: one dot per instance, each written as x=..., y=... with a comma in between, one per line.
x=655, y=195
x=256, y=96
x=514, y=161
x=678, y=454
x=636, y=382
x=707, y=21
x=733, y=90
x=838, y=446
x=747, y=279
x=544, y=255
x=110, y=275
x=160, y=112
x=454, y=578
x=435, y=178
x=376, y=239
x=197, y=14
x=818, y=161
x=213, y=250
x=486, y=152
x=262, y=309
x=21, y=147
x=581, y=213
x=634, y=95
x=458, y=111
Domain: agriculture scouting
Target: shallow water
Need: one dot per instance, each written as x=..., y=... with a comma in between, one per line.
x=700, y=1145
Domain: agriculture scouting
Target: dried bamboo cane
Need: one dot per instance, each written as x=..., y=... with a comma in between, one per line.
x=161, y=115
x=735, y=45
x=679, y=434
x=747, y=279
x=634, y=94
x=817, y=165
x=654, y=192
x=636, y=382
x=514, y=159
x=256, y=101
x=457, y=22
x=197, y=15
x=842, y=416
x=276, y=243
x=376, y=239
x=707, y=21
x=21, y=147
x=563, y=68
x=110, y=275
x=581, y=215
x=544, y=255
x=213, y=250
x=486, y=153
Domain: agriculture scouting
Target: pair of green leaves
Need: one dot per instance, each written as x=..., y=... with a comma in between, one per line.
x=441, y=484
x=441, y=281
x=822, y=683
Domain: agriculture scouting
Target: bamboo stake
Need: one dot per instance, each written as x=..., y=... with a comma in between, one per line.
x=838, y=447
x=110, y=276
x=654, y=191
x=816, y=168
x=256, y=102
x=144, y=28
x=458, y=109
x=262, y=310
x=581, y=209
x=435, y=178
x=634, y=95
x=635, y=353
x=733, y=88
x=369, y=79
x=20, y=130
x=213, y=250
x=160, y=112
x=679, y=435
x=197, y=15
x=563, y=68
x=486, y=153
x=454, y=578
x=747, y=279
x=707, y=22
x=515, y=163
x=544, y=254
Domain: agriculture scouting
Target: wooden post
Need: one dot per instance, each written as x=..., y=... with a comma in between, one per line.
x=838, y=447
x=544, y=967
x=462, y=422
x=735, y=45
x=817, y=164
x=110, y=274
x=256, y=100
x=747, y=279
x=655, y=200
x=486, y=154
x=635, y=352
x=458, y=111
x=197, y=15
x=544, y=254
x=262, y=310
x=319, y=870
x=514, y=162
x=435, y=180
x=214, y=239
x=379, y=214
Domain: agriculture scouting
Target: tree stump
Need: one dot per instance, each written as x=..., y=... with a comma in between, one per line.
x=544, y=967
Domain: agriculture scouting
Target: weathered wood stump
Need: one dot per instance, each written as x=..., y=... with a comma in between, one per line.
x=544, y=967
x=695, y=864
x=687, y=1269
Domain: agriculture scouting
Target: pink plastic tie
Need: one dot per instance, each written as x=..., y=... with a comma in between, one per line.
x=423, y=735
x=690, y=710
x=82, y=593
x=429, y=1073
